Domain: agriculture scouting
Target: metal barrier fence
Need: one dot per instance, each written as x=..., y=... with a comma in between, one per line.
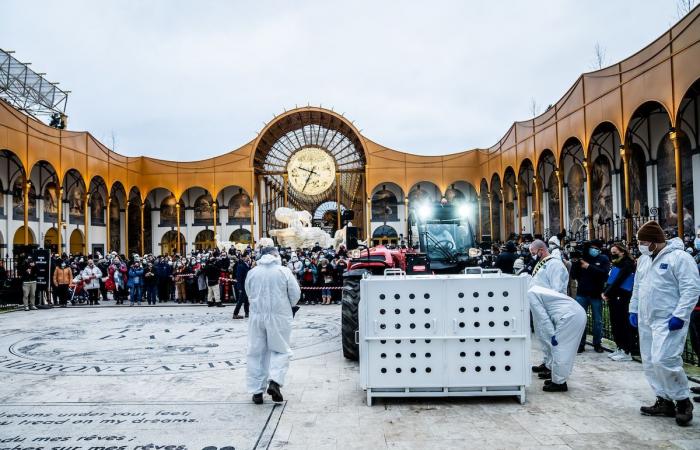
x=689, y=356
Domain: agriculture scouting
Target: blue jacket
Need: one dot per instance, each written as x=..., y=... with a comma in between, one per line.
x=163, y=270
x=135, y=277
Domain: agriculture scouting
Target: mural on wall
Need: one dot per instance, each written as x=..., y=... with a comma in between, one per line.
x=240, y=236
x=50, y=198
x=114, y=227
x=496, y=208
x=2, y=200
x=168, y=212
x=385, y=206
x=18, y=201
x=638, y=183
x=454, y=195
x=97, y=209
x=577, y=210
x=419, y=194
x=666, y=173
x=601, y=188
x=76, y=203
x=553, y=205
x=133, y=240
x=203, y=210
x=239, y=209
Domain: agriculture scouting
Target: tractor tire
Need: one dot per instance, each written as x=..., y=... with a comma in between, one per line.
x=349, y=319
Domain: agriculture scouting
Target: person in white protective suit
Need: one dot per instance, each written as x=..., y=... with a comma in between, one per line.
x=272, y=292
x=560, y=321
x=549, y=272
x=554, y=246
x=666, y=289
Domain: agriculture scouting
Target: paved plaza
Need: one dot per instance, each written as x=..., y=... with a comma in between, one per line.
x=173, y=378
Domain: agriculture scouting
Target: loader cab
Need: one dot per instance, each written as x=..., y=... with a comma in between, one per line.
x=445, y=235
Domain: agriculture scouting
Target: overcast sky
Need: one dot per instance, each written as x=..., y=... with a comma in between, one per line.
x=187, y=80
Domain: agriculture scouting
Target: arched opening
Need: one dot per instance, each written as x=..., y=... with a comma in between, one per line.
x=18, y=201
x=385, y=204
x=98, y=201
x=168, y=212
x=496, y=206
x=77, y=242
x=74, y=190
x=116, y=208
x=134, y=223
x=313, y=155
x=51, y=240
x=548, y=200
x=168, y=243
x=205, y=240
x=571, y=167
x=421, y=193
x=526, y=189
x=385, y=235
x=239, y=211
x=688, y=122
x=607, y=185
x=510, y=198
x=326, y=217
x=18, y=239
x=601, y=191
x=240, y=236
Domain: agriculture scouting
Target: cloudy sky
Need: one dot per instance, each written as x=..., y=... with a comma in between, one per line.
x=192, y=79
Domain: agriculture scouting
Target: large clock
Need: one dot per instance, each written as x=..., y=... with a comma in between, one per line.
x=311, y=170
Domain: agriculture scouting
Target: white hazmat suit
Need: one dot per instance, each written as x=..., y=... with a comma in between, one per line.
x=272, y=291
x=557, y=314
x=664, y=287
x=550, y=274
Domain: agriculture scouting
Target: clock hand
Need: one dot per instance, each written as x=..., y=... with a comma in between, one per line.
x=311, y=172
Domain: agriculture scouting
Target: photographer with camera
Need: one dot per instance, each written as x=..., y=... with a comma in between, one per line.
x=590, y=269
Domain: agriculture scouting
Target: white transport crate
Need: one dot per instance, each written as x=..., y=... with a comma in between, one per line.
x=444, y=335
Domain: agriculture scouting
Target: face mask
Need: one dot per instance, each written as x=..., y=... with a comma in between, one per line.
x=593, y=252
x=535, y=256
x=63, y=265
x=644, y=250
x=552, y=246
x=697, y=243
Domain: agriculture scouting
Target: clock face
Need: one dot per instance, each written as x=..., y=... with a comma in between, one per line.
x=311, y=170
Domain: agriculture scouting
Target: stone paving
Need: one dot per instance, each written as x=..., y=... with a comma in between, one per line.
x=157, y=363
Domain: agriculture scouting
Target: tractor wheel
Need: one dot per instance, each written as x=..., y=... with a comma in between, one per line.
x=351, y=302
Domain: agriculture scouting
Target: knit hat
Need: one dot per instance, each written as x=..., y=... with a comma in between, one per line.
x=651, y=232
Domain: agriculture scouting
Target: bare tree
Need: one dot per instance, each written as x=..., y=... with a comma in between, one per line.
x=534, y=107
x=683, y=7
x=599, y=56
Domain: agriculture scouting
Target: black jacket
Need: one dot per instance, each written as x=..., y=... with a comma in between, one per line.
x=28, y=272
x=591, y=280
x=504, y=261
x=627, y=267
x=212, y=272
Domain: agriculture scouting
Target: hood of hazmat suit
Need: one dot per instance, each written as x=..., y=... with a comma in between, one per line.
x=272, y=291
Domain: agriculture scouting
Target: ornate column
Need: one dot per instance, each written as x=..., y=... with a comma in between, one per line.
x=26, y=186
x=141, y=246
x=490, y=199
x=177, y=221
x=675, y=140
x=503, y=220
x=86, y=217
x=536, y=222
x=216, y=206
x=368, y=222
x=252, y=227
x=589, y=196
x=126, y=228
x=405, y=203
x=107, y=230
x=627, y=210
x=337, y=198
x=59, y=218
x=286, y=183
x=481, y=231
x=520, y=210
x=560, y=186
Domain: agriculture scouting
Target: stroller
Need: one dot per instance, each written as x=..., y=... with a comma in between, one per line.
x=77, y=291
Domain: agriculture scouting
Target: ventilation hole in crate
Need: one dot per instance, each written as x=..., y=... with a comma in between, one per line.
x=477, y=368
x=398, y=355
x=492, y=340
x=505, y=293
x=397, y=326
x=427, y=355
x=492, y=368
x=398, y=370
x=490, y=294
x=476, y=324
x=492, y=353
x=463, y=354
x=426, y=310
x=491, y=309
x=492, y=323
x=382, y=326
x=507, y=339
x=428, y=369
x=426, y=296
x=460, y=295
x=412, y=311
x=506, y=324
x=462, y=340
x=382, y=311
x=397, y=296
x=507, y=353
x=462, y=324
x=397, y=311
x=476, y=309
x=382, y=296
x=506, y=309
x=507, y=368
x=398, y=341
x=462, y=369
x=475, y=294
x=413, y=355
x=477, y=354
x=382, y=341
x=411, y=296
x=413, y=325
x=383, y=370
x=477, y=340
x=383, y=355
x=427, y=325
x=413, y=370
x=427, y=341
x=461, y=310
x=412, y=341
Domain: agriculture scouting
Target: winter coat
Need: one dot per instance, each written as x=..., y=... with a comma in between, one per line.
x=135, y=277
x=91, y=277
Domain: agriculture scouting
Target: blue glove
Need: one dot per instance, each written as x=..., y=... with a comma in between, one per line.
x=634, y=320
x=675, y=323
x=554, y=341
